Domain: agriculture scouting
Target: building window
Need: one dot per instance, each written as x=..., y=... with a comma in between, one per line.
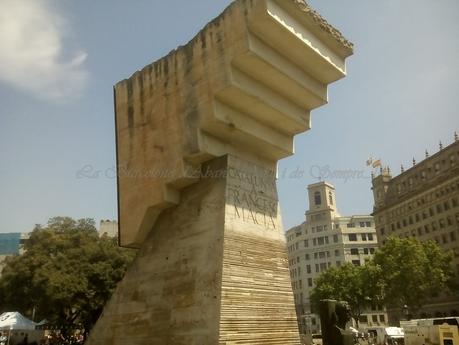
x=317, y=268
x=356, y=262
x=330, y=197
x=370, y=237
x=362, y=224
x=352, y=237
x=354, y=251
x=317, y=198
x=351, y=225
x=335, y=238
x=363, y=319
x=338, y=263
x=366, y=250
x=309, y=282
x=336, y=252
x=298, y=259
x=368, y=224
x=444, y=238
x=452, y=236
x=306, y=243
x=439, y=209
x=308, y=268
x=441, y=222
x=364, y=237
x=306, y=257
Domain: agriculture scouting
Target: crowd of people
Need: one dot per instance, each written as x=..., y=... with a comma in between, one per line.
x=52, y=338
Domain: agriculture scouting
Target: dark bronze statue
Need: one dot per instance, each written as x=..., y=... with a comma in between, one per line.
x=333, y=319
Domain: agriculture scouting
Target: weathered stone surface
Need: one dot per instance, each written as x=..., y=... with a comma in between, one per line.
x=244, y=85
x=212, y=272
x=199, y=134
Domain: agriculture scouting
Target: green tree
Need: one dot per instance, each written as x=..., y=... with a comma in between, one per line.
x=412, y=271
x=66, y=274
x=357, y=285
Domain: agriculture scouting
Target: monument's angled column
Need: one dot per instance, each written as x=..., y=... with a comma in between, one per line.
x=199, y=134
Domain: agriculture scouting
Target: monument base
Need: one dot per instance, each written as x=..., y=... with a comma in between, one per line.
x=213, y=270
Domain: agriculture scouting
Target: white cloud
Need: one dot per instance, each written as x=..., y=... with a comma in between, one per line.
x=32, y=53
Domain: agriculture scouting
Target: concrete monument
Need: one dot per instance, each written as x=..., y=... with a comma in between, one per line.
x=199, y=133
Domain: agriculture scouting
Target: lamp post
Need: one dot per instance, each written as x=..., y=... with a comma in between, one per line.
x=405, y=312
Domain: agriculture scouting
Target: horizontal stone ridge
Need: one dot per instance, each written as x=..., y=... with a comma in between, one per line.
x=257, y=304
x=244, y=86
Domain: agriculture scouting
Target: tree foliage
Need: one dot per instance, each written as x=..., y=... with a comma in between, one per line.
x=402, y=272
x=357, y=285
x=66, y=274
x=412, y=271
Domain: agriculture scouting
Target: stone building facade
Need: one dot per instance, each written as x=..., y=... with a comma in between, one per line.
x=327, y=239
x=423, y=202
x=108, y=228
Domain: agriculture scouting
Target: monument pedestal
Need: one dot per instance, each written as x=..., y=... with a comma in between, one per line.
x=213, y=270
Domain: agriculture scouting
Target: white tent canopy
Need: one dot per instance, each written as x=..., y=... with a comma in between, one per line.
x=395, y=332
x=14, y=320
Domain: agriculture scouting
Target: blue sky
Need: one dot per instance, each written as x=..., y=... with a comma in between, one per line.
x=60, y=59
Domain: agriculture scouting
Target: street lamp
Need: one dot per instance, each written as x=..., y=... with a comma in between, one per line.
x=405, y=312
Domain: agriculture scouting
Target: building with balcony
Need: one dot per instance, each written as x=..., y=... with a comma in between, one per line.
x=327, y=239
x=423, y=202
